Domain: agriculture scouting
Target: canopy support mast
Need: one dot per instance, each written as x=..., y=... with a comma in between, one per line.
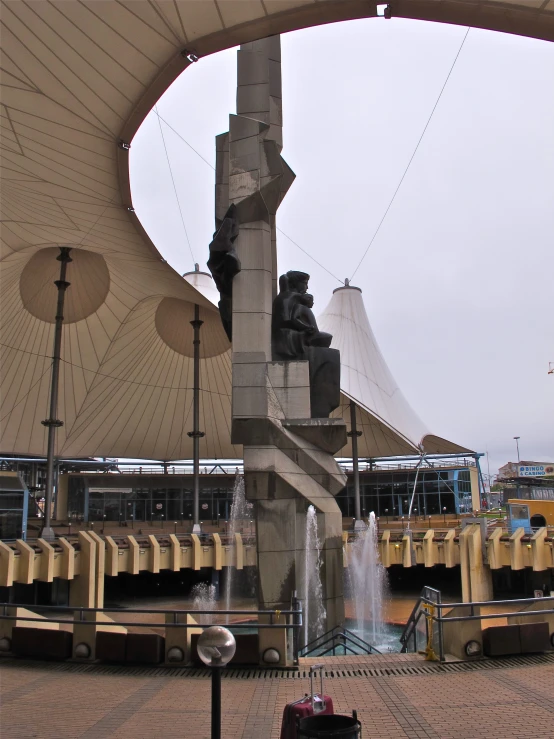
x=196, y=434
x=359, y=525
x=52, y=423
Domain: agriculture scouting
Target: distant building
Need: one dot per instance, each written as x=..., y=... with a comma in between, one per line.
x=524, y=469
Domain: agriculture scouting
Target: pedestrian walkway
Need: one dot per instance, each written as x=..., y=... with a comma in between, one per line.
x=397, y=696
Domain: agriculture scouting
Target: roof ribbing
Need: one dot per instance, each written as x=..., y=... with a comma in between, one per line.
x=77, y=80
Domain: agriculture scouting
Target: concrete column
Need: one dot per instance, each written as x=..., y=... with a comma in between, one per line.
x=284, y=473
x=154, y=554
x=7, y=558
x=516, y=551
x=540, y=553
x=82, y=590
x=26, y=570
x=100, y=568
x=450, y=549
x=111, y=564
x=196, y=552
x=476, y=575
x=133, y=562
x=494, y=546
x=175, y=553
x=46, y=573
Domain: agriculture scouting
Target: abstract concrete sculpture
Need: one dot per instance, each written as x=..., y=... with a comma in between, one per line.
x=295, y=335
x=288, y=458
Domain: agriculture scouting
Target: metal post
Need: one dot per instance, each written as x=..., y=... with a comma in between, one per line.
x=196, y=434
x=480, y=481
x=353, y=434
x=216, y=702
x=52, y=423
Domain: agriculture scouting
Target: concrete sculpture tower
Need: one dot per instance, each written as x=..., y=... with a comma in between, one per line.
x=288, y=458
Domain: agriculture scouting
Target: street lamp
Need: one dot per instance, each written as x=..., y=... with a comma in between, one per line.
x=516, y=439
x=387, y=514
x=444, y=514
x=216, y=647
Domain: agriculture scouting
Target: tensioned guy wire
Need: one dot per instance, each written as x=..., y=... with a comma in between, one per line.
x=174, y=186
x=160, y=118
x=413, y=155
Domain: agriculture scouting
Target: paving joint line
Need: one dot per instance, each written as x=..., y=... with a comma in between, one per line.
x=125, y=710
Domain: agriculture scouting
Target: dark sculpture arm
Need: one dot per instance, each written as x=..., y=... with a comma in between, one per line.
x=224, y=264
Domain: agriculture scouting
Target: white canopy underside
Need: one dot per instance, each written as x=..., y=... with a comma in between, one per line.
x=77, y=79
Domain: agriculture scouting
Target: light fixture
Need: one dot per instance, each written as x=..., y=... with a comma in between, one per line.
x=472, y=648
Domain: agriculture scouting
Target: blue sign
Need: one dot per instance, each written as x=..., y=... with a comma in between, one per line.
x=518, y=518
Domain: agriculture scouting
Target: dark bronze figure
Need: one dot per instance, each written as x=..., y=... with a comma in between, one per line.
x=224, y=264
x=296, y=336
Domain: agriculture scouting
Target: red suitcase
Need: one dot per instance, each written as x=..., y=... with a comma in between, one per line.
x=314, y=704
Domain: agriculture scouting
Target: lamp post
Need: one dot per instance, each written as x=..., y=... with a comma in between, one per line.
x=444, y=514
x=216, y=647
x=516, y=439
x=387, y=514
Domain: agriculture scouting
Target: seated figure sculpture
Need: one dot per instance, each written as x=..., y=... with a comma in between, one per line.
x=296, y=336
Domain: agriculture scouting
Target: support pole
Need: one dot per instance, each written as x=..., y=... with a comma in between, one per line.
x=359, y=525
x=52, y=422
x=480, y=481
x=196, y=434
x=216, y=702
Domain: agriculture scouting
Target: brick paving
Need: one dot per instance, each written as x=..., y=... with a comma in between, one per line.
x=501, y=702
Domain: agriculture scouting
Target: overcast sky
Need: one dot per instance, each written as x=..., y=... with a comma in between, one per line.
x=459, y=281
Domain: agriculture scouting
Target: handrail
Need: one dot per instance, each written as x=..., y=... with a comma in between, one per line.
x=334, y=637
x=293, y=620
x=418, y=611
x=178, y=611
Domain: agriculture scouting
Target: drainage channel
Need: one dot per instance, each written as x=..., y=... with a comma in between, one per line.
x=244, y=673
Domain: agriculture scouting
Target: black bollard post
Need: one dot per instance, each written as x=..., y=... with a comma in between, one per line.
x=216, y=702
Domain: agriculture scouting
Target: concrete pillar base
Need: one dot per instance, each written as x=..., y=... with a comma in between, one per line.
x=48, y=533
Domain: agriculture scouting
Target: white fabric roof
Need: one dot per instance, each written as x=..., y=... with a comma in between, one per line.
x=78, y=78
x=389, y=424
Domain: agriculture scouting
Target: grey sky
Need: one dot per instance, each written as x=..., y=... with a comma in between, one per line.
x=458, y=283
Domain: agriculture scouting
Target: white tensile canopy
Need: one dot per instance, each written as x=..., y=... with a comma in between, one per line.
x=78, y=78
x=389, y=425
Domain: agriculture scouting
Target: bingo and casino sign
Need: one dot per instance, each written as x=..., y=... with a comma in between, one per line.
x=536, y=470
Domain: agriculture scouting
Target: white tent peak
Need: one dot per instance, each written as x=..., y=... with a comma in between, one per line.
x=389, y=423
x=203, y=282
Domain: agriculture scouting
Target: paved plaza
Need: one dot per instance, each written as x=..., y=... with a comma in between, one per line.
x=396, y=696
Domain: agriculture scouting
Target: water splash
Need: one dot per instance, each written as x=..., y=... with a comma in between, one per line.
x=204, y=599
x=367, y=581
x=241, y=515
x=313, y=609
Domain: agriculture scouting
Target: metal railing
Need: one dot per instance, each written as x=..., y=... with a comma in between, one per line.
x=430, y=607
x=178, y=620
x=337, y=638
